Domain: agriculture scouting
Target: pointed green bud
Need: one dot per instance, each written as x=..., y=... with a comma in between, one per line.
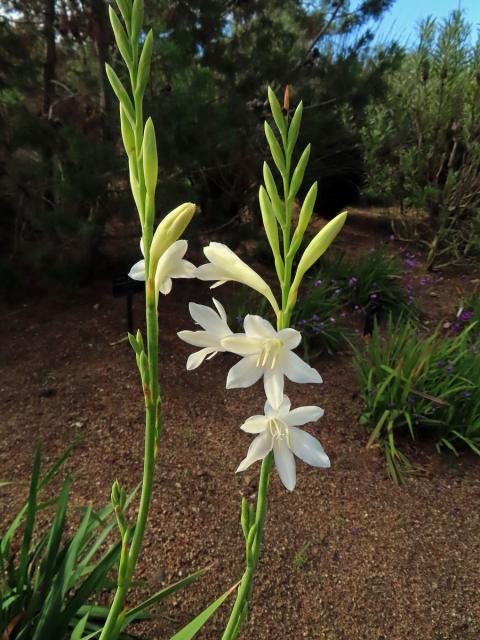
x=277, y=204
x=133, y=343
x=135, y=187
x=299, y=172
x=317, y=247
x=304, y=218
x=137, y=21
x=144, y=65
x=115, y=493
x=245, y=518
x=294, y=128
x=125, y=7
x=143, y=362
x=275, y=150
x=269, y=221
x=121, y=93
x=128, y=136
x=277, y=112
x=139, y=339
x=150, y=157
x=121, y=37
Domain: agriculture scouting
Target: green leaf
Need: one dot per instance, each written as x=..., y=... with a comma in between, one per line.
x=304, y=217
x=269, y=221
x=79, y=628
x=30, y=519
x=277, y=112
x=132, y=614
x=125, y=9
x=275, y=150
x=193, y=627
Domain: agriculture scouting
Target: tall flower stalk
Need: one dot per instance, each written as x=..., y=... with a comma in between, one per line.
x=163, y=260
x=265, y=352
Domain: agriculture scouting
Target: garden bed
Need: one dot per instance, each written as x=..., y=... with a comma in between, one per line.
x=347, y=556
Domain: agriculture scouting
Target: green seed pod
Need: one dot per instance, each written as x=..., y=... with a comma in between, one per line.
x=275, y=150
x=144, y=65
x=314, y=250
x=137, y=21
x=121, y=37
x=277, y=112
x=269, y=221
x=304, y=218
x=299, y=172
x=277, y=204
x=294, y=128
x=121, y=93
x=150, y=157
x=128, y=136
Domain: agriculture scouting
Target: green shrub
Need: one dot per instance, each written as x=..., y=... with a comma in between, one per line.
x=419, y=385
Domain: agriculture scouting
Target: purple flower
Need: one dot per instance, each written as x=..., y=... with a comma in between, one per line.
x=343, y=314
x=467, y=394
x=332, y=320
x=315, y=318
x=373, y=296
x=302, y=323
x=318, y=283
x=455, y=328
x=357, y=307
x=353, y=281
x=423, y=281
x=466, y=315
x=410, y=262
x=337, y=291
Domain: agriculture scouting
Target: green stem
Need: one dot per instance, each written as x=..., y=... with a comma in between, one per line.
x=245, y=589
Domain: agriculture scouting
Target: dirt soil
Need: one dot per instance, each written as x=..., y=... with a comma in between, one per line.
x=347, y=556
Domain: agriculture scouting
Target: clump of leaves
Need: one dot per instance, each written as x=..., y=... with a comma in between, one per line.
x=319, y=315
x=371, y=283
x=419, y=385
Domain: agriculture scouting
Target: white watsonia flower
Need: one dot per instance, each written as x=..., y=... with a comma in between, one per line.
x=215, y=328
x=224, y=265
x=277, y=430
x=267, y=353
x=170, y=265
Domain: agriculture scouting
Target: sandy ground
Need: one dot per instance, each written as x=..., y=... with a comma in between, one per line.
x=347, y=556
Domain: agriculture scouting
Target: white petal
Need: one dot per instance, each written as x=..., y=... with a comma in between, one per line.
x=242, y=345
x=200, y=339
x=244, y=373
x=165, y=286
x=308, y=448
x=291, y=338
x=285, y=463
x=184, y=269
x=221, y=311
x=255, y=424
x=297, y=370
x=257, y=450
x=137, y=272
x=218, y=284
x=209, y=272
x=195, y=359
x=141, y=246
x=282, y=410
x=208, y=320
x=258, y=327
x=302, y=415
x=273, y=382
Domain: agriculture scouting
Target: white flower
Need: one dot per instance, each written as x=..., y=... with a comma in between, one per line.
x=277, y=430
x=170, y=265
x=267, y=353
x=225, y=265
x=215, y=329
